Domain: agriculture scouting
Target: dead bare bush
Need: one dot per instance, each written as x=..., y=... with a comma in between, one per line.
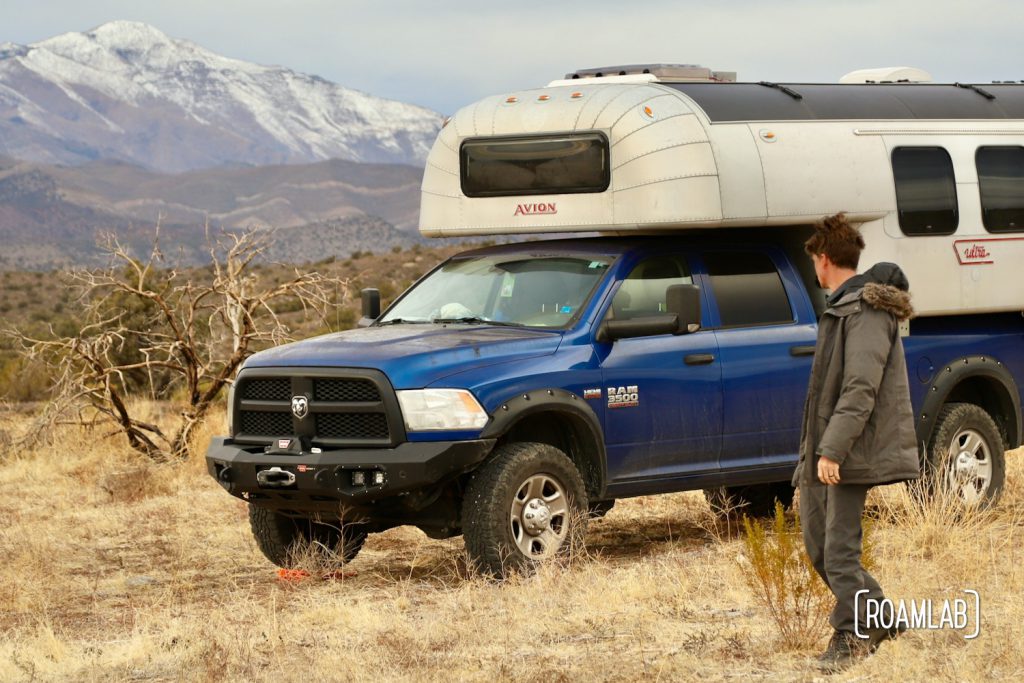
x=181, y=335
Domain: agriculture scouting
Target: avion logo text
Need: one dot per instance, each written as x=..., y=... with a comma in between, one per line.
x=535, y=209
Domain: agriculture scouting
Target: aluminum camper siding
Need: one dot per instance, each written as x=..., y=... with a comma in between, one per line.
x=693, y=156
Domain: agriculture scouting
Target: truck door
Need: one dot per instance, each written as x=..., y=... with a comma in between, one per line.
x=663, y=393
x=765, y=331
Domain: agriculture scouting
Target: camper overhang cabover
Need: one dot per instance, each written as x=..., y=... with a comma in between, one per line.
x=648, y=152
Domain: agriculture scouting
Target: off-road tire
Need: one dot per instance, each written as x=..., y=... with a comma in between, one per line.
x=279, y=536
x=488, y=513
x=963, y=422
x=754, y=500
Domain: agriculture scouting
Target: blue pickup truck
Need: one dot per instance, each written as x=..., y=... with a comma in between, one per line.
x=516, y=389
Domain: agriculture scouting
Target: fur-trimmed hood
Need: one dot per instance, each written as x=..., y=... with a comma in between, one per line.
x=887, y=288
x=888, y=298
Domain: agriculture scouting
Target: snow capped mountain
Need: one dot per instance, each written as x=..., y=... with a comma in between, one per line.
x=128, y=92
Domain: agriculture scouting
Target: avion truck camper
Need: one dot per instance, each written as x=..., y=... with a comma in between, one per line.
x=517, y=388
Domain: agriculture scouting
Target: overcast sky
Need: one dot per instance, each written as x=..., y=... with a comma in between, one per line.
x=446, y=54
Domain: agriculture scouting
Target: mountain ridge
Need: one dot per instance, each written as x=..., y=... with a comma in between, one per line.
x=126, y=91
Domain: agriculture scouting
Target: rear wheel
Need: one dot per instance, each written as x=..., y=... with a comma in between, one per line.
x=282, y=538
x=524, y=506
x=966, y=456
x=754, y=500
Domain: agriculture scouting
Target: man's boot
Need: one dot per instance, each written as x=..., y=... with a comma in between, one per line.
x=877, y=636
x=843, y=649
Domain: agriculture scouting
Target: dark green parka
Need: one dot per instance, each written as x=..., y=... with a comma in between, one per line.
x=858, y=410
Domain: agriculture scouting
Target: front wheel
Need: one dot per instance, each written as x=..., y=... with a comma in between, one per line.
x=282, y=538
x=524, y=506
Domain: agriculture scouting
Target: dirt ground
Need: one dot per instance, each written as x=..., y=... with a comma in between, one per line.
x=114, y=569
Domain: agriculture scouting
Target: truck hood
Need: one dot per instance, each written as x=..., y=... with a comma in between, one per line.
x=413, y=355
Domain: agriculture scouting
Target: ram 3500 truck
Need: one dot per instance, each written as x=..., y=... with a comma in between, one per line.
x=515, y=389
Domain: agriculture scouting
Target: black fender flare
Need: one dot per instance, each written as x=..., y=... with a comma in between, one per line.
x=564, y=403
x=952, y=375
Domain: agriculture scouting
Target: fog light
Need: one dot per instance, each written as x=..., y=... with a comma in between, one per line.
x=359, y=478
x=378, y=478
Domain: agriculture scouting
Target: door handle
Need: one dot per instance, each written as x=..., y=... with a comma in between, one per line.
x=699, y=358
x=801, y=350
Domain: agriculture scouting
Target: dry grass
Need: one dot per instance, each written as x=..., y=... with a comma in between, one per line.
x=115, y=570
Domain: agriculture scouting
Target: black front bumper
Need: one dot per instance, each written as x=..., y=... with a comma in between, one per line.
x=305, y=480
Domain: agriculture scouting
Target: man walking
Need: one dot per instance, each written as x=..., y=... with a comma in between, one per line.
x=858, y=426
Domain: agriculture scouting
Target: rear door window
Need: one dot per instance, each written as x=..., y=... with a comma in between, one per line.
x=748, y=289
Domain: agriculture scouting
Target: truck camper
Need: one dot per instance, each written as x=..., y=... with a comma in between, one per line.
x=517, y=388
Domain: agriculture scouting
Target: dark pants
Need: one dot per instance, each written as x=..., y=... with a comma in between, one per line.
x=831, y=521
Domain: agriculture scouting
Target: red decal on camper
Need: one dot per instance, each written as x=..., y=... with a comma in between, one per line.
x=980, y=252
x=976, y=252
x=535, y=209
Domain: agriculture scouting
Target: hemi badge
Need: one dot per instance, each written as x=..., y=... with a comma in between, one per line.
x=284, y=443
x=591, y=393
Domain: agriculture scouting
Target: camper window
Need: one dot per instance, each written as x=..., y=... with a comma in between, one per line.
x=1001, y=184
x=551, y=164
x=925, y=190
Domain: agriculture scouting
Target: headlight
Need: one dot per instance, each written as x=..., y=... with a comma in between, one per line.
x=441, y=409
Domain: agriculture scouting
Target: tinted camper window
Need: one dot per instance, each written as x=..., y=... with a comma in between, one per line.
x=550, y=164
x=925, y=190
x=748, y=289
x=1001, y=184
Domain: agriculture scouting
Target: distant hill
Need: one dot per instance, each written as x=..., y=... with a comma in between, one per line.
x=50, y=215
x=125, y=91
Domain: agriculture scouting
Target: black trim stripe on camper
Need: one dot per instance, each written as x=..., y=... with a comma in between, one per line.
x=724, y=102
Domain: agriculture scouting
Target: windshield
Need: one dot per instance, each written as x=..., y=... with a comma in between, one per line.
x=526, y=290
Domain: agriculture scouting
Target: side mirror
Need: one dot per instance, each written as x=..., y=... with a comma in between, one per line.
x=647, y=326
x=371, y=306
x=682, y=317
x=684, y=302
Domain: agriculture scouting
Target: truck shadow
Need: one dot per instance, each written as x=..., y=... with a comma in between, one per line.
x=406, y=555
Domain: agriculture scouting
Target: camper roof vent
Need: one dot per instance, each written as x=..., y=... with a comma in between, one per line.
x=888, y=74
x=660, y=72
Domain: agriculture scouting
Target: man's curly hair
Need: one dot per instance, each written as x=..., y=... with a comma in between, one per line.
x=836, y=238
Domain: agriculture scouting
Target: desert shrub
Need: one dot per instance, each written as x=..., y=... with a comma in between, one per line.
x=782, y=579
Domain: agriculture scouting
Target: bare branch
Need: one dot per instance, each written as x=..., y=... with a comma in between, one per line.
x=147, y=329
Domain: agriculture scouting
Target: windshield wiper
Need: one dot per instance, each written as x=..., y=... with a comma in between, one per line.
x=473, y=320
x=402, y=321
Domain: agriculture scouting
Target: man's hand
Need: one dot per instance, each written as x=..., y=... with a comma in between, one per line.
x=828, y=471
